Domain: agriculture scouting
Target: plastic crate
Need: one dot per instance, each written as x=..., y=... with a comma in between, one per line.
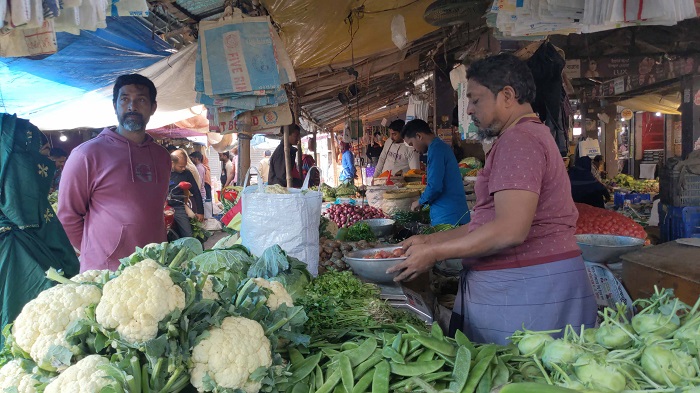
x=672, y=193
x=635, y=198
x=678, y=222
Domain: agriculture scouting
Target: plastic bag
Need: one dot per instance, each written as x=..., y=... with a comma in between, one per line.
x=289, y=220
x=130, y=8
x=29, y=42
x=393, y=206
x=375, y=195
x=398, y=31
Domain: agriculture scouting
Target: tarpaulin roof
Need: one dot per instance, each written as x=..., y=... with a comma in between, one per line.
x=668, y=104
x=83, y=63
x=315, y=32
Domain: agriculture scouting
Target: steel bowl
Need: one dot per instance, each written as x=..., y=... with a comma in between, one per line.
x=373, y=269
x=381, y=227
x=607, y=248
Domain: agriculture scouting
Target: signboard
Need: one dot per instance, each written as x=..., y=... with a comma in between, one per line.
x=572, y=69
x=589, y=147
x=627, y=114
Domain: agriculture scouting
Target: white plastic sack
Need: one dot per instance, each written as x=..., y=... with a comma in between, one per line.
x=398, y=31
x=21, y=12
x=375, y=195
x=289, y=220
x=393, y=206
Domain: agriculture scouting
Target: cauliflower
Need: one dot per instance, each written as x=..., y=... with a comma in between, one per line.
x=208, y=290
x=83, y=377
x=230, y=354
x=91, y=276
x=12, y=375
x=136, y=301
x=43, y=321
x=278, y=296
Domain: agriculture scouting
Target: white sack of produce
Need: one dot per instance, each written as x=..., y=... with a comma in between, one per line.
x=289, y=220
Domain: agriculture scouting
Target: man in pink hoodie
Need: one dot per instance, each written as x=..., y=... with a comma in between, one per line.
x=113, y=187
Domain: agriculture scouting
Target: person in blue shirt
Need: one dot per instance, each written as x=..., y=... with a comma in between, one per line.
x=348, y=163
x=444, y=192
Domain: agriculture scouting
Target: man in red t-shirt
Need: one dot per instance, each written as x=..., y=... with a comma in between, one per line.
x=522, y=263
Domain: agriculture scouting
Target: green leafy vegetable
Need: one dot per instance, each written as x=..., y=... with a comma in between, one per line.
x=275, y=265
x=360, y=231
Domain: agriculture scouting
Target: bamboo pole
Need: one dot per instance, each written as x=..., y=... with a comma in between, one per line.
x=287, y=156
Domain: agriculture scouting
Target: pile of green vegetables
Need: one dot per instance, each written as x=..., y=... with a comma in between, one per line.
x=328, y=193
x=338, y=302
x=345, y=190
x=148, y=326
x=360, y=231
x=656, y=350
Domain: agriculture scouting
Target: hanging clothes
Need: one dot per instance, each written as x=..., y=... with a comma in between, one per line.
x=32, y=239
x=547, y=66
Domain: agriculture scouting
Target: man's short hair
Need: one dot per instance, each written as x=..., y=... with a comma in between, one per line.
x=196, y=155
x=171, y=148
x=57, y=152
x=292, y=129
x=598, y=158
x=397, y=125
x=226, y=154
x=268, y=153
x=134, y=79
x=497, y=72
x=413, y=127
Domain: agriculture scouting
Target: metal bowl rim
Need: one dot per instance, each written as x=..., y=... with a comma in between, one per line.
x=638, y=240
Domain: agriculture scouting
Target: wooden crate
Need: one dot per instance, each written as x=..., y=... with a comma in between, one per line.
x=670, y=265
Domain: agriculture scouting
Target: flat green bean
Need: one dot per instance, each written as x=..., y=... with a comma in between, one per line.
x=463, y=341
x=303, y=369
x=397, y=342
x=346, y=373
x=416, y=368
x=485, y=383
x=476, y=373
x=460, y=372
x=330, y=383
x=390, y=353
x=318, y=377
x=300, y=388
x=436, y=331
x=295, y=356
x=437, y=345
x=427, y=378
x=428, y=354
x=414, y=354
x=380, y=380
x=364, y=383
x=348, y=346
x=363, y=352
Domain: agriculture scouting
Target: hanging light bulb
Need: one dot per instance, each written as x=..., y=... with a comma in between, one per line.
x=62, y=138
x=658, y=114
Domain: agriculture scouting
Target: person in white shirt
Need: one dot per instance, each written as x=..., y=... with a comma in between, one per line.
x=264, y=168
x=396, y=155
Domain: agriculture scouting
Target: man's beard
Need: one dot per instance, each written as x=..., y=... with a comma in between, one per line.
x=133, y=122
x=489, y=133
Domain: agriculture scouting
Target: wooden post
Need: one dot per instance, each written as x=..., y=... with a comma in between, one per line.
x=299, y=165
x=287, y=156
x=243, y=158
x=334, y=152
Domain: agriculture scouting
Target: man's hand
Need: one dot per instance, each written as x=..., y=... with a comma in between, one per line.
x=414, y=241
x=421, y=258
x=200, y=217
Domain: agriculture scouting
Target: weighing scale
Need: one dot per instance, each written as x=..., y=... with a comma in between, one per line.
x=398, y=296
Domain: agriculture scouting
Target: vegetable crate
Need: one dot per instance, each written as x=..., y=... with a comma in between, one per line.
x=679, y=222
x=676, y=194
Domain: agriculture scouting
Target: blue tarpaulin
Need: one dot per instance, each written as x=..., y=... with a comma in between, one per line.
x=84, y=63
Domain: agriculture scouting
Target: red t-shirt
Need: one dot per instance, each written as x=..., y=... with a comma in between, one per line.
x=526, y=157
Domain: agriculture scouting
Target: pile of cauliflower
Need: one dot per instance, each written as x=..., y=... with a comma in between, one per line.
x=148, y=325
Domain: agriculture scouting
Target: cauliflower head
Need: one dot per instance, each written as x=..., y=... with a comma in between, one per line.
x=12, y=375
x=208, y=292
x=278, y=296
x=230, y=354
x=90, y=276
x=136, y=301
x=82, y=377
x=43, y=321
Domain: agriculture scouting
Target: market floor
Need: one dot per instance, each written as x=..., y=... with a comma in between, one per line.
x=215, y=237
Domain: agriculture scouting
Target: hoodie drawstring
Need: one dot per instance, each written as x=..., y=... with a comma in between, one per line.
x=153, y=163
x=131, y=163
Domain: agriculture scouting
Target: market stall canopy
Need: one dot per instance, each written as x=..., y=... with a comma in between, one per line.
x=316, y=32
x=173, y=78
x=667, y=104
x=194, y=126
x=84, y=63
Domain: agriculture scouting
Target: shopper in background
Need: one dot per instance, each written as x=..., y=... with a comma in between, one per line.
x=585, y=188
x=198, y=159
x=278, y=167
x=444, y=192
x=348, y=173
x=32, y=239
x=234, y=162
x=522, y=266
x=264, y=167
x=227, y=169
x=308, y=162
x=177, y=196
x=59, y=157
x=597, y=168
x=374, y=150
x=113, y=187
x=396, y=155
